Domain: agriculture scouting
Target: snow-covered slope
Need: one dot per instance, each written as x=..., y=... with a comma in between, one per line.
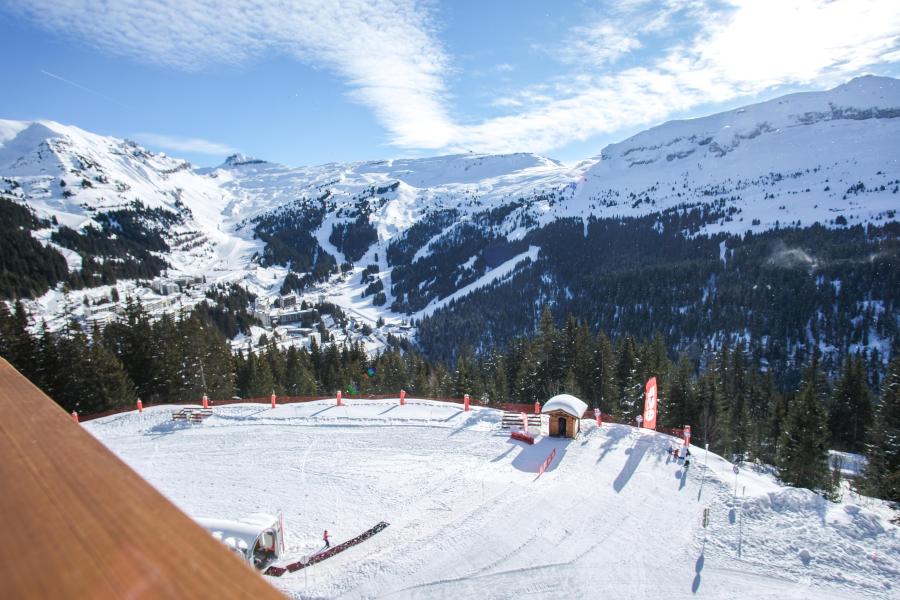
x=70, y=174
x=796, y=158
x=469, y=516
x=829, y=157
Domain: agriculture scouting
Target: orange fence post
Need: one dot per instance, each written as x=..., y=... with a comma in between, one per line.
x=140, y=406
x=402, y=397
x=273, y=399
x=75, y=416
x=205, y=401
x=339, y=398
x=466, y=402
x=537, y=407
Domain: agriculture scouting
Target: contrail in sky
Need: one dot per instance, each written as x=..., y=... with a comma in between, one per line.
x=86, y=89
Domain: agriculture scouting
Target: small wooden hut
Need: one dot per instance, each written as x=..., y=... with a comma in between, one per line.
x=564, y=412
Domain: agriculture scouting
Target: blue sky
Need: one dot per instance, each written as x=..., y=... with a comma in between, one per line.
x=320, y=80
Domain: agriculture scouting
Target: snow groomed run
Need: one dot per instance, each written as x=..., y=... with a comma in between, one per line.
x=277, y=571
x=611, y=516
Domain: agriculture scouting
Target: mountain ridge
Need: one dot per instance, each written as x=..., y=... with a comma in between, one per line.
x=404, y=235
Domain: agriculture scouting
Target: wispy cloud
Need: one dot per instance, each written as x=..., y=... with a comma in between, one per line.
x=739, y=48
x=597, y=44
x=630, y=63
x=387, y=51
x=182, y=144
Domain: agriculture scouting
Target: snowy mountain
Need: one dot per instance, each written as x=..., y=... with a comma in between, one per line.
x=400, y=240
x=796, y=158
x=470, y=516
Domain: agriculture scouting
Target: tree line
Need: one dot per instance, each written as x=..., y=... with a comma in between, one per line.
x=780, y=292
x=729, y=397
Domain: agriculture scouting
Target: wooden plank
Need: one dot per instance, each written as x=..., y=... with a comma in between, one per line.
x=77, y=522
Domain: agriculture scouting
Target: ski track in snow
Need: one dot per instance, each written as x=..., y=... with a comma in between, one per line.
x=612, y=517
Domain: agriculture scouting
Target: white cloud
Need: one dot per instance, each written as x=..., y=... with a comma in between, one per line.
x=742, y=48
x=688, y=53
x=385, y=50
x=597, y=44
x=181, y=144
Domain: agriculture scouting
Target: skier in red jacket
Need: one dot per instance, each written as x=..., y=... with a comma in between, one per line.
x=325, y=537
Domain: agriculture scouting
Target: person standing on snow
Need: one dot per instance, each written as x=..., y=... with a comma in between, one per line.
x=325, y=537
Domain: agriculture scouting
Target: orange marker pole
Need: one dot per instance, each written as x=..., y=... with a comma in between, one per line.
x=402, y=397
x=273, y=399
x=339, y=398
x=466, y=402
x=140, y=406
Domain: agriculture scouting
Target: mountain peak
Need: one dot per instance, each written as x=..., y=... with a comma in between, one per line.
x=238, y=159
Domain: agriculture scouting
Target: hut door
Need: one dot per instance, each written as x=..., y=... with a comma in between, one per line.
x=562, y=427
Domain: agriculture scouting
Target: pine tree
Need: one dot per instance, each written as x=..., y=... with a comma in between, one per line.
x=803, y=450
x=630, y=385
x=257, y=378
x=680, y=409
x=761, y=402
x=658, y=365
x=530, y=384
x=549, y=352
x=298, y=373
x=6, y=332
x=738, y=414
x=850, y=414
x=709, y=400
x=605, y=375
x=108, y=384
x=49, y=364
x=16, y=343
x=130, y=339
x=882, y=476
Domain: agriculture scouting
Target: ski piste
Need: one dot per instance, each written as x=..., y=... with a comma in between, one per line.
x=276, y=571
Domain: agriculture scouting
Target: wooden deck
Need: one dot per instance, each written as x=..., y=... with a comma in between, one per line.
x=76, y=522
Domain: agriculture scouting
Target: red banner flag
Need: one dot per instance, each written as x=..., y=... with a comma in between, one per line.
x=650, y=404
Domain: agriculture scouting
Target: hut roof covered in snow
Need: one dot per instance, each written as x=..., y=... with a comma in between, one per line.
x=566, y=403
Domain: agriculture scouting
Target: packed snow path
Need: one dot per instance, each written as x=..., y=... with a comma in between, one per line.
x=613, y=516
